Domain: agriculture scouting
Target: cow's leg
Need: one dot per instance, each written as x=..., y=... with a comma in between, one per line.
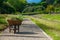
x=14, y=28
x=18, y=28
x=9, y=28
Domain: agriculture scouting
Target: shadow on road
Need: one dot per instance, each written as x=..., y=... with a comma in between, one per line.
x=25, y=33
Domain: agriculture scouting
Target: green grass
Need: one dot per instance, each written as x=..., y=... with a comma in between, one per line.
x=52, y=17
x=3, y=22
x=51, y=28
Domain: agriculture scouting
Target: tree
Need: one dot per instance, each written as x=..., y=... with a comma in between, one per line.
x=1, y=1
x=50, y=8
x=19, y=5
x=50, y=2
x=5, y=7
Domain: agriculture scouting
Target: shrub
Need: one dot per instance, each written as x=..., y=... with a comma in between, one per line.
x=20, y=17
x=3, y=20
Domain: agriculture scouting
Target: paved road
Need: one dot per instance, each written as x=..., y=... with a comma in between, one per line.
x=28, y=31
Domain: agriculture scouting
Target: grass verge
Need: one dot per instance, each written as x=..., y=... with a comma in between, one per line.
x=52, y=17
x=51, y=28
x=3, y=22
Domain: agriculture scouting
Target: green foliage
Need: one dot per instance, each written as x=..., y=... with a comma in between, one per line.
x=12, y=6
x=49, y=8
x=6, y=8
x=50, y=5
x=50, y=1
x=53, y=17
x=19, y=5
x=3, y=20
x=20, y=17
x=1, y=1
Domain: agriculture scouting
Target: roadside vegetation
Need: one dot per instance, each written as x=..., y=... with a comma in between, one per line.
x=4, y=18
x=50, y=17
x=3, y=22
x=22, y=6
x=50, y=27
